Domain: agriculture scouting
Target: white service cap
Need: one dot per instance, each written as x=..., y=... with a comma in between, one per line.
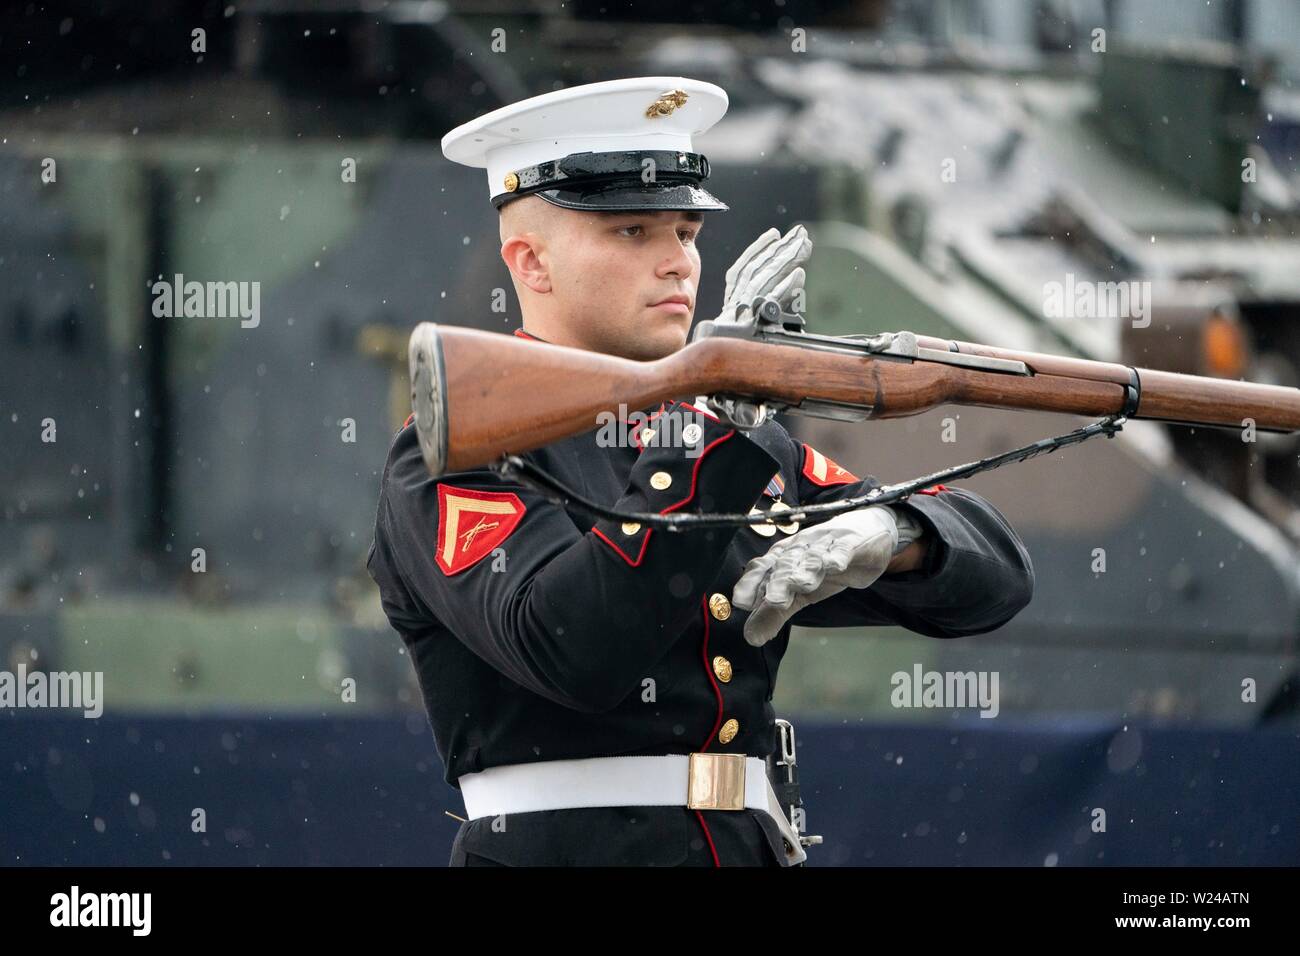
x=620, y=144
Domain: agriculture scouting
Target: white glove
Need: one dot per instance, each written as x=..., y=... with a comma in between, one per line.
x=769, y=267
x=850, y=550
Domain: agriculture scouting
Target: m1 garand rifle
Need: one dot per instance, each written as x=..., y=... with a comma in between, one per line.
x=483, y=399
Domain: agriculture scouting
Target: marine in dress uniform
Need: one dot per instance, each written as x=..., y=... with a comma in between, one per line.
x=590, y=687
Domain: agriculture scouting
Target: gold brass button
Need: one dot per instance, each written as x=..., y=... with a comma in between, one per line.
x=766, y=530
x=646, y=435
x=660, y=480
x=722, y=668
x=720, y=607
x=512, y=182
x=790, y=527
x=729, y=731
x=692, y=433
x=630, y=527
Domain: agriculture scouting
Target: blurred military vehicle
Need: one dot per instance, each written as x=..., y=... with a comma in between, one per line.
x=198, y=527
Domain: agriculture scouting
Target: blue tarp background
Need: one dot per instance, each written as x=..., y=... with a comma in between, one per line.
x=299, y=791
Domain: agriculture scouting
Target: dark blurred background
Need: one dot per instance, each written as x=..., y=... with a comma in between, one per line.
x=953, y=160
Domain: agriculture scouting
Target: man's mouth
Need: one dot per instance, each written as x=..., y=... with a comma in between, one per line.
x=678, y=304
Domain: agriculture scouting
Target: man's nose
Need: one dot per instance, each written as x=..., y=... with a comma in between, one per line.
x=676, y=261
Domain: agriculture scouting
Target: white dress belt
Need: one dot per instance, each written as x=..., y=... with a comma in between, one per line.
x=656, y=781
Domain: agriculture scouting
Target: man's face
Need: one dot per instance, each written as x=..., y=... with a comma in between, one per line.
x=625, y=283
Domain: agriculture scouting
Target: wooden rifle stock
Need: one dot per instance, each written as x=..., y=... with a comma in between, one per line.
x=479, y=395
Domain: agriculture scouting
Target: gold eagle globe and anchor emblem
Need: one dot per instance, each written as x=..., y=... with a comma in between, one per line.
x=666, y=103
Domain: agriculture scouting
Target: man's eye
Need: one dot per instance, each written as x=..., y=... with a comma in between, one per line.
x=625, y=228
x=687, y=234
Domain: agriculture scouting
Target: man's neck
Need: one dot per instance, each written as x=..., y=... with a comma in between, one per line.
x=552, y=335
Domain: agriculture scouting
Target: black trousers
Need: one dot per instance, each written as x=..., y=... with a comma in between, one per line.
x=620, y=836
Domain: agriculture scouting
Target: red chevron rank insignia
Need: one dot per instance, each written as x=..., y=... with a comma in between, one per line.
x=820, y=470
x=471, y=524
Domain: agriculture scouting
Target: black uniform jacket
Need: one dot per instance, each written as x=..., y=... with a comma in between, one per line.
x=537, y=635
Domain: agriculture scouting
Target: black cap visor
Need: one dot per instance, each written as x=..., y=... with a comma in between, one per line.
x=630, y=195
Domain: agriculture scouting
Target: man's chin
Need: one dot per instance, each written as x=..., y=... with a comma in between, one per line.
x=668, y=340
x=656, y=339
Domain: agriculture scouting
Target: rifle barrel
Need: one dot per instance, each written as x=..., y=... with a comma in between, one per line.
x=479, y=395
x=1162, y=396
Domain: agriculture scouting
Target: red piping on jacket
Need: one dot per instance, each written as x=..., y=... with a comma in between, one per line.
x=717, y=692
x=713, y=850
x=695, y=472
x=934, y=490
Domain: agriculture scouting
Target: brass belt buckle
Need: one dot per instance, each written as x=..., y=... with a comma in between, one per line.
x=716, y=782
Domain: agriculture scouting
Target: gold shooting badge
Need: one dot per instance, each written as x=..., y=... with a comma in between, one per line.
x=775, y=488
x=789, y=527
x=766, y=530
x=471, y=524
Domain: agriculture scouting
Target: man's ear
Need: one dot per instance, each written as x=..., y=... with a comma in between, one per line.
x=521, y=254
